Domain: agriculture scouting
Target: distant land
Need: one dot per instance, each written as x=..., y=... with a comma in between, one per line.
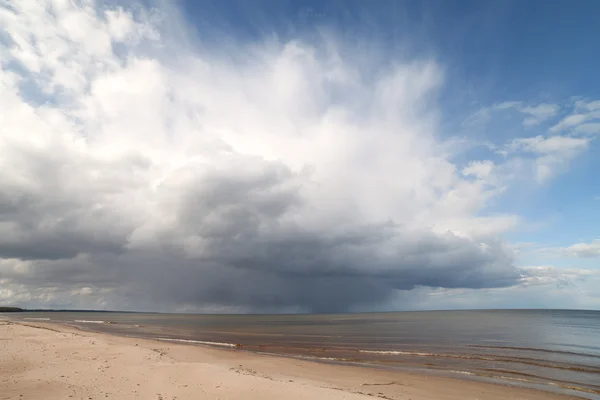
x=11, y=309
x=18, y=309
x=66, y=310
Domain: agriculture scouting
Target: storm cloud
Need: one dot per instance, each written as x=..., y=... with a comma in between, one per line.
x=293, y=175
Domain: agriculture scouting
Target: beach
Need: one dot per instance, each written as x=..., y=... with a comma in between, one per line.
x=51, y=361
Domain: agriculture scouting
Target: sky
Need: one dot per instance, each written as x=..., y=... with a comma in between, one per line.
x=299, y=156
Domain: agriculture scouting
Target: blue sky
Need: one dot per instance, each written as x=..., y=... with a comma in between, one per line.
x=494, y=46
x=271, y=156
x=492, y=52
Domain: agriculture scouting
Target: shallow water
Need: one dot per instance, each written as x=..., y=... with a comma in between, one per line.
x=558, y=350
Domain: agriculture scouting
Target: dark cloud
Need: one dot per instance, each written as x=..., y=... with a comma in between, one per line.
x=233, y=240
x=246, y=182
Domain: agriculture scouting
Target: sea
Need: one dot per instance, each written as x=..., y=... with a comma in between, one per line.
x=553, y=350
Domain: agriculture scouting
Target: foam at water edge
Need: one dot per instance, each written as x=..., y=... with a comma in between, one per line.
x=198, y=342
x=390, y=352
x=84, y=321
x=460, y=372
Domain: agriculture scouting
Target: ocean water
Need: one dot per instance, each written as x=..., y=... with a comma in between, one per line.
x=555, y=350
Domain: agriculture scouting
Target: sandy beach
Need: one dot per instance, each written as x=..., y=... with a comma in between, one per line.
x=48, y=361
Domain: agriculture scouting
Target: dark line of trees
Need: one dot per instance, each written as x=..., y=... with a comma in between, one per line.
x=11, y=309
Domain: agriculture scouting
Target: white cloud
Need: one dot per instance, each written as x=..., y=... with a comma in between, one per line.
x=549, y=145
x=547, y=275
x=552, y=154
x=540, y=287
x=508, y=105
x=479, y=118
x=549, y=154
x=583, y=250
x=578, y=118
x=287, y=174
x=587, y=105
x=569, y=122
x=583, y=119
x=539, y=113
x=588, y=129
x=534, y=114
x=479, y=169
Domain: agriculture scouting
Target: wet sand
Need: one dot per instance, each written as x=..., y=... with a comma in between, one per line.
x=48, y=361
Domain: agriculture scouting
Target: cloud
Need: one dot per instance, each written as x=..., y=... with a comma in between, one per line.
x=552, y=153
x=583, y=250
x=541, y=287
x=583, y=119
x=138, y=172
x=539, y=113
x=549, y=145
x=534, y=114
x=479, y=169
x=588, y=129
x=548, y=153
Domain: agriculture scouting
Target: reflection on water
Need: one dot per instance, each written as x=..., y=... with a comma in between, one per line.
x=559, y=349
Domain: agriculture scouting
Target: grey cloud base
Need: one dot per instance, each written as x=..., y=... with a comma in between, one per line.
x=234, y=237
x=300, y=175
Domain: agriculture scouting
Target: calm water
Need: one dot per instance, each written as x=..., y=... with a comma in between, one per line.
x=550, y=349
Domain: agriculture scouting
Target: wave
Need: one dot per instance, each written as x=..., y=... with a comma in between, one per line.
x=220, y=344
x=404, y=353
x=322, y=358
x=85, y=321
x=461, y=372
x=37, y=319
x=573, y=353
x=503, y=375
x=537, y=380
x=486, y=357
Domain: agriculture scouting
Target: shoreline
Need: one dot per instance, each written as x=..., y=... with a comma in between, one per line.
x=57, y=361
x=502, y=377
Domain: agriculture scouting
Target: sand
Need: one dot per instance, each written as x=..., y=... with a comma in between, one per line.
x=47, y=361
